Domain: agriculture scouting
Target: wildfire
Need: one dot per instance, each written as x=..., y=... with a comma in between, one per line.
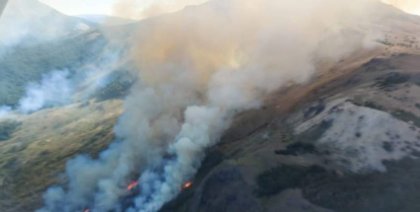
x=132, y=185
x=187, y=185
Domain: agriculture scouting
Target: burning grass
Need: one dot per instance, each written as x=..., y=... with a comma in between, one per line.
x=132, y=185
x=187, y=185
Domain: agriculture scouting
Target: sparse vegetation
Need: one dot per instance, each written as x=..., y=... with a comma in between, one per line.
x=287, y=135
x=24, y=64
x=390, y=80
x=369, y=104
x=297, y=149
x=7, y=128
x=378, y=64
x=373, y=105
x=407, y=117
x=280, y=178
x=388, y=146
x=119, y=85
x=416, y=79
x=314, y=109
x=316, y=132
x=37, y=151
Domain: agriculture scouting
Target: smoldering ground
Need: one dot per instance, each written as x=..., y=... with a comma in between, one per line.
x=198, y=68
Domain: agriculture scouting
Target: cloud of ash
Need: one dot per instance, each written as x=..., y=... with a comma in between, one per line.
x=198, y=68
x=54, y=89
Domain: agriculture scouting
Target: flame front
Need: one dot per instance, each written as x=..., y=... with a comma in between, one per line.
x=187, y=185
x=132, y=185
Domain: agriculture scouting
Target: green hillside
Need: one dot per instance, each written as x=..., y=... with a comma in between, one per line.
x=23, y=64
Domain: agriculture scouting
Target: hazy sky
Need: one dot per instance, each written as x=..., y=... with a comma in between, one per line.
x=411, y=6
x=78, y=7
x=106, y=7
x=83, y=7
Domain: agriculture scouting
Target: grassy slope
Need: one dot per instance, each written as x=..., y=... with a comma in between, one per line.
x=36, y=154
x=24, y=64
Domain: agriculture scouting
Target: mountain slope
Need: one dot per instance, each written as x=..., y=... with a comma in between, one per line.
x=351, y=144
x=28, y=21
x=311, y=147
x=106, y=20
x=24, y=64
x=347, y=141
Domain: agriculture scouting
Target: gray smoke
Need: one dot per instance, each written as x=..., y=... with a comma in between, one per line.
x=197, y=69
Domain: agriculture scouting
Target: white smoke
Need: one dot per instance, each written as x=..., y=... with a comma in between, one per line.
x=53, y=90
x=95, y=76
x=5, y=111
x=62, y=87
x=197, y=69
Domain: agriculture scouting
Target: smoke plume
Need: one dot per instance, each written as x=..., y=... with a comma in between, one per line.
x=198, y=68
x=61, y=87
x=54, y=89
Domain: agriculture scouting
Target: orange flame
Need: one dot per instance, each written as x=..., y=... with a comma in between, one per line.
x=132, y=185
x=187, y=185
